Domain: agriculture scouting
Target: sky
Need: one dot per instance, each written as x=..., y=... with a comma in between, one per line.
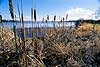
x=75, y=9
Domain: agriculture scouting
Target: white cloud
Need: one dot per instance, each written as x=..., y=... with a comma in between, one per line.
x=73, y=14
x=80, y=13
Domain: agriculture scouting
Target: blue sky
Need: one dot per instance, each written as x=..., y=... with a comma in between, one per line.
x=47, y=7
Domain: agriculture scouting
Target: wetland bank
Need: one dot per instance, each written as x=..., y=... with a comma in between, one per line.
x=48, y=43
x=62, y=48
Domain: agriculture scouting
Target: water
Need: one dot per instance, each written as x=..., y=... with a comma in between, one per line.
x=28, y=24
x=39, y=24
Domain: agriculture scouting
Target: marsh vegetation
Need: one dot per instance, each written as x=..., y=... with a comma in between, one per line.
x=61, y=48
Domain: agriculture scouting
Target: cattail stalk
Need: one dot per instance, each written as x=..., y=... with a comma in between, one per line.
x=11, y=9
x=54, y=21
x=66, y=17
x=22, y=27
x=35, y=14
x=47, y=23
x=47, y=17
x=25, y=61
x=20, y=21
x=94, y=24
x=15, y=35
x=32, y=23
x=1, y=20
x=63, y=22
x=19, y=12
x=59, y=22
x=35, y=21
x=43, y=24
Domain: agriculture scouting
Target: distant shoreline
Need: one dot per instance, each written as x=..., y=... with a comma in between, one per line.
x=53, y=21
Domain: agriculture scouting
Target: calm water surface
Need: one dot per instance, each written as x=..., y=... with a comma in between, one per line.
x=28, y=24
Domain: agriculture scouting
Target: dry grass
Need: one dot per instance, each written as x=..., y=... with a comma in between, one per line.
x=71, y=48
x=89, y=26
